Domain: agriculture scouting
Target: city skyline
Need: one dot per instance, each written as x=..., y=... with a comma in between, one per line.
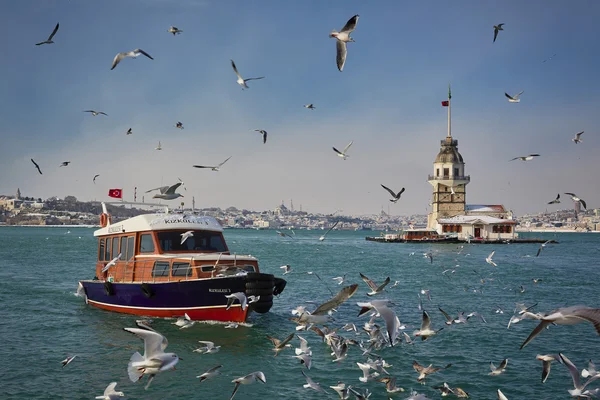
x=387, y=101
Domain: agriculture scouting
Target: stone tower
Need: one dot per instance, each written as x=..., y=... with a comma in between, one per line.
x=448, y=180
x=18, y=197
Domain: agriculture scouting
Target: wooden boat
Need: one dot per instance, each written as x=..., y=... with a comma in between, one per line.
x=144, y=267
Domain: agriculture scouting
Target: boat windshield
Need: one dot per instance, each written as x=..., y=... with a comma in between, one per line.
x=200, y=241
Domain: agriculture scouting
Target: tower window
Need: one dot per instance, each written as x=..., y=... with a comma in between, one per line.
x=437, y=172
x=455, y=171
x=446, y=171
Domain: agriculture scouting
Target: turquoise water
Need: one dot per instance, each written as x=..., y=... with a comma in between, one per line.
x=41, y=319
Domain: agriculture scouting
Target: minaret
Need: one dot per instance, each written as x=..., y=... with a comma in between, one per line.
x=448, y=180
x=18, y=194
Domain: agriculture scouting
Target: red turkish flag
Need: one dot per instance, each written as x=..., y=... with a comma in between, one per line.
x=445, y=103
x=117, y=193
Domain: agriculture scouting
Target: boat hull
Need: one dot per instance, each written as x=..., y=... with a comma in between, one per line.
x=202, y=299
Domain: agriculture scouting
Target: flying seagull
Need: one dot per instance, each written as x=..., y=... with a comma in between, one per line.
x=496, y=29
x=501, y=368
x=216, y=168
x=132, y=54
x=244, y=380
x=185, y=236
x=577, y=137
x=179, y=125
x=129, y=132
x=329, y=230
x=343, y=154
x=167, y=192
x=342, y=38
x=396, y=196
x=65, y=164
x=567, y=316
x=375, y=289
x=263, y=133
x=67, y=360
x=94, y=113
x=37, y=166
x=241, y=81
x=525, y=158
x=154, y=360
x=159, y=147
x=174, y=30
x=310, y=106
x=95, y=176
x=546, y=360
x=210, y=373
x=556, y=200
x=49, y=40
x=110, y=393
x=538, y=254
x=489, y=259
x=573, y=197
x=515, y=98
x=579, y=390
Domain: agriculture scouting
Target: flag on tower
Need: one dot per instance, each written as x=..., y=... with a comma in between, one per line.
x=116, y=193
x=445, y=103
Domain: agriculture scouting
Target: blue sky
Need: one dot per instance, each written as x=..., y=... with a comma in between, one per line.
x=387, y=100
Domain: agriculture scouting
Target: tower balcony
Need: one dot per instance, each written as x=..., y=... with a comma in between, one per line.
x=449, y=180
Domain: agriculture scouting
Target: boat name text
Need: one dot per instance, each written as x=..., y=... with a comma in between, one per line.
x=219, y=290
x=113, y=229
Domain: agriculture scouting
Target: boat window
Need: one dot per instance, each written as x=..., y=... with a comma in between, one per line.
x=161, y=268
x=181, y=269
x=101, y=250
x=200, y=241
x=207, y=268
x=114, y=248
x=130, y=247
x=146, y=243
x=249, y=268
x=107, y=250
x=123, y=248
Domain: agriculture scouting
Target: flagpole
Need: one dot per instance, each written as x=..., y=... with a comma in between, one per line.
x=449, y=115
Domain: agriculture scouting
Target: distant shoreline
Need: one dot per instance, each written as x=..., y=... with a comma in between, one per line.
x=52, y=226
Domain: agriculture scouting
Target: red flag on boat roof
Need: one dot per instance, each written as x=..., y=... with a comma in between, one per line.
x=117, y=193
x=445, y=103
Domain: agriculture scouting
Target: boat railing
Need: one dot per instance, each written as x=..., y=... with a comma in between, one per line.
x=143, y=271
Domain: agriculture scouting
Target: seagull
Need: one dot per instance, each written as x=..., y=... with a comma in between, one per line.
x=174, y=30
x=286, y=269
x=396, y=196
x=95, y=176
x=65, y=164
x=208, y=348
x=390, y=384
x=305, y=359
x=167, y=192
x=185, y=236
x=392, y=323
x=549, y=58
x=159, y=147
x=539, y=251
x=343, y=153
x=577, y=137
x=132, y=54
x=184, y=322
x=310, y=106
x=281, y=344
x=212, y=168
x=68, y=360
x=547, y=363
x=556, y=200
x=515, y=98
x=424, y=371
x=590, y=371
x=329, y=230
x=496, y=29
x=112, y=262
x=263, y=133
x=340, y=279
x=342, y=38
x=374, y=288
x=579, y=390
x=573, y=197
x=525, y=158
x=501, y=395
x=245, y=380
x=179, y=125
x=95, y=113
x=129, y=132
x=37, y=166
x=49, y=40
x=342, y=390
x=110, y=393
x=240, y=296
x=214, y=371
x=567, y=316
x=283, y=234
x=154, y=360
x=489, y=259
x=425, y=332
x=304, y=348
x=312, y=384
x=501, y=368
x=241, y=81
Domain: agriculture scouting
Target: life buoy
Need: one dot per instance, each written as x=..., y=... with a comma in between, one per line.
x=104, y=219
